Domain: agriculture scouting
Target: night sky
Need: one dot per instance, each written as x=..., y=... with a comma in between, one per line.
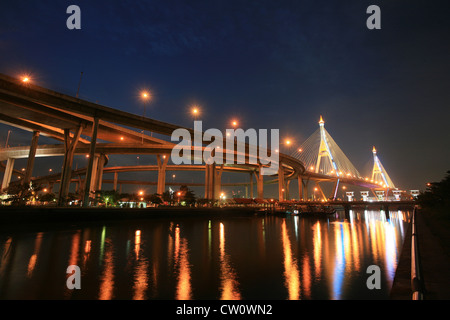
x=271, y=64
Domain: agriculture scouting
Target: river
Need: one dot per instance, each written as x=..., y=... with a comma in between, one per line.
x=250, y=257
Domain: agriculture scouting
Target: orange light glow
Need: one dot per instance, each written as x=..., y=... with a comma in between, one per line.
x=25, y=79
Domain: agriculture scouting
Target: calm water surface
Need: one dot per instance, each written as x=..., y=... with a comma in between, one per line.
x=258, y=257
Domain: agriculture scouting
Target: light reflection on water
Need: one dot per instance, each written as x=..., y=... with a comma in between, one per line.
x=260, y=257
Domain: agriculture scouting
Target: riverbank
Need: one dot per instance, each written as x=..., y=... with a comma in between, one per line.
x=434, y=251
x=14, y=218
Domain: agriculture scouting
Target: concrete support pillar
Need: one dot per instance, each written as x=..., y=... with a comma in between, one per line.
x=260, y=183
x=217, y=181
x=209, y=181
x=93, y=180
x=300, y=188
x=8, y=173
x=281, y=183
x=286, y=189
x=251, y=185
x=31, y=156
x=206, y=180
x=116, y=177
x=99, y=174
x=305, y=190
x=89, y=171
x=162, y=164
x=66, y=172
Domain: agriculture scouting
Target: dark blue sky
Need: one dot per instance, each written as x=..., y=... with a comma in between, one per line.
x=272, y=64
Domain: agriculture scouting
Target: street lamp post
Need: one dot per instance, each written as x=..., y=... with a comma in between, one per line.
x=7, y=139
x=145, y=96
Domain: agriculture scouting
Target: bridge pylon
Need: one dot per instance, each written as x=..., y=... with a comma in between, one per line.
x=321, y=155
x=379, y=174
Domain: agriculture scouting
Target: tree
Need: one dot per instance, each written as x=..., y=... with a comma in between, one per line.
x=187, y=195
x=47, y=197
x=19, y=194
x=437, y=194
x=154, y=198
x=108, y=197
x=167, y=196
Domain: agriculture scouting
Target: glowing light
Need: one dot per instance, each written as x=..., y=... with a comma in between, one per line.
x=321, y=120
x=25, y=79
x=121, y=138
x=141, y=193
x=312, y=167
x=300, y=150
x=288, y=142
x=145, y=95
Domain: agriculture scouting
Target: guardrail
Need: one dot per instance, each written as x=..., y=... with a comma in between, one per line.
x=416, y=277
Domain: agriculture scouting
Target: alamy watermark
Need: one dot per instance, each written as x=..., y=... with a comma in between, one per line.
x=74, y=20
x=236, y=147
x=74, y=280
x=374, y=280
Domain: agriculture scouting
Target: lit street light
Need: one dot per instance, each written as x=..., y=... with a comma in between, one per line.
x=195, y=112
x=145, y=97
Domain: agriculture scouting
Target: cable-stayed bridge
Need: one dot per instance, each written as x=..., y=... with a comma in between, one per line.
x=83, y=128
x=324, y=160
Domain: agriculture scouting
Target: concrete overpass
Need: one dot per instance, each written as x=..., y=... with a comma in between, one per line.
x=80, y=125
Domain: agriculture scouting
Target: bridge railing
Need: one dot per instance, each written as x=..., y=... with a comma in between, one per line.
x=416, y=277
